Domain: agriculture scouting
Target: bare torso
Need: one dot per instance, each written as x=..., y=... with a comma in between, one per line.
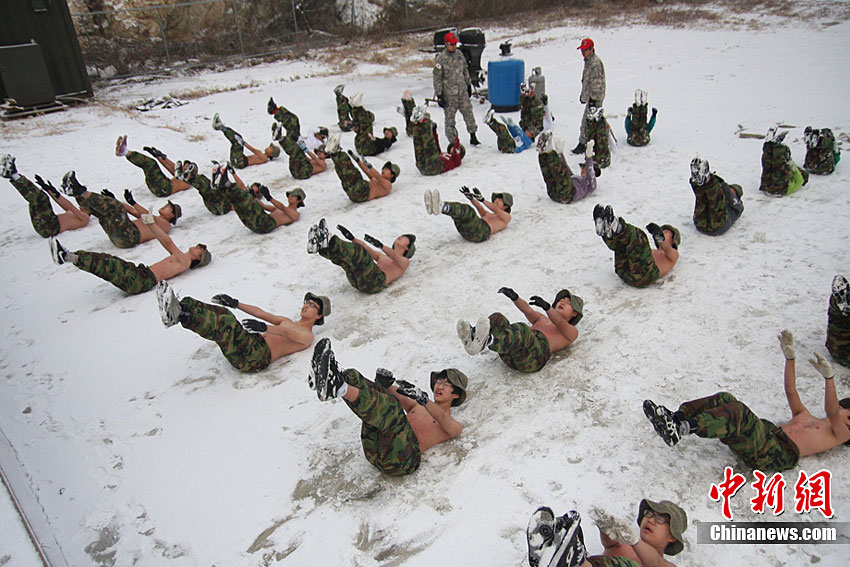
x=428, y=431
x=379, y=187
x=494, y=222
x=664, y=263
x=281, y=346
x=810, y=434
x=171, y=266
x=557, y=341
x=391, y=270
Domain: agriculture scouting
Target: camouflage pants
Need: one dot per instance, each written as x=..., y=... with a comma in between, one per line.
x=362, y=272
x=504, y=141
x=249, y=210
x=761, y=444
x=583, y=134
x=343, y=113
x=637, y=129
x=467, y=222
x=557, y=177
x=453, y=157
x=518, y=346
x=602, y=561
x=237, y=147
x=597, y=130
x=156, y=181
x=353, y=183
x=129, y=278
x=633, y=260
x=426, y=149
x=389, y=442
x=299, y=166
x=289, y=121
x=247, y=352
x=453, y=105
x=44, y=220
x=215, y=201
x=531, y=113
x=717, y=206
x=112, y=218
x=364, y=142
x=838, y=334
x=821, y=159
x=407, y=105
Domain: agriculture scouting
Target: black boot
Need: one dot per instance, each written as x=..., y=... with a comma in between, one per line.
x=473, y=140
x=579, y=149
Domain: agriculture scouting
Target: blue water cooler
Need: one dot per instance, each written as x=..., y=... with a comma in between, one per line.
x=503, y=80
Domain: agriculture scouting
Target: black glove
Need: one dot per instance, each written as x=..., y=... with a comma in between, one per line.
x=128, y=196
x=366, y=163
x=468, y=90
x=538, y=301
x=230, y=169
x=271, y=107
x=476, y=194
x=154, y=152
x=384, y=377
x=544, y=98
x=466, y=192
x=408, y=390
x=226, y=300
x=107, y=193
x=509, y=293
x=345, y=232
x=47, y=186
x=264, y=191
x=373, y=241
x=440, y=101
x=354, y=156
x=654, y=111
x=254, y=326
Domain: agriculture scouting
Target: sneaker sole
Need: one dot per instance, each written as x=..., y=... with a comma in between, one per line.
x=165, y=298
x=428, y=207
x=54, y=251
x=664, y=427
x=319, y=365
x=565, y=554
x=436, y=204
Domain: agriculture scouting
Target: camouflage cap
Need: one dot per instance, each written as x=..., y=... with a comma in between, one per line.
x=205, y=259
x=506, y=198
x=677, y=236
x=275, y=150
x=678, y=522
x=393, y=130
x=322, y=131
x=298, y=192
x=178, y=211
x=411, y=247
x=395, y=169
x=324, y=305
x=575, y=301
x=456, y=378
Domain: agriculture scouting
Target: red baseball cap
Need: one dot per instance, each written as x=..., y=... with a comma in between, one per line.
x=586, y=43
x=450, y=38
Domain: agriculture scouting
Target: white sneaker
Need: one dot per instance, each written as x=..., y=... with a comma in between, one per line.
x=418, y=114
x=7, y=166
x=588, y=150
x=356, y=100
x=436, y=202
x=217, y=124
x=480, y=336
x=332, y=144
x=169, y=306
x=428, y=207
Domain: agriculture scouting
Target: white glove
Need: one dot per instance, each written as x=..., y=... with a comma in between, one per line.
x=786, y=343
x=147, y=218
x=822, y=365
x=588, y=151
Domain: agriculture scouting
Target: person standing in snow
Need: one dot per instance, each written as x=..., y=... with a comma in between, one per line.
x=520, y=346
x=238, y=145
x=559, y=541
x=758, y=442
x=634, y=261
x=471, y=226
x=45, y=222
x=453, y=88
x=368, y=270
x=592, y=88
x=252, y=345
x=399, y=420
x=561, y=185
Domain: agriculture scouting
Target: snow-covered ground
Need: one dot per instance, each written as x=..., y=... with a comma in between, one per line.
x=145, y=447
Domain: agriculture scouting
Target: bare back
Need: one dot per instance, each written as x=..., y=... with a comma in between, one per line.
x=428, y=431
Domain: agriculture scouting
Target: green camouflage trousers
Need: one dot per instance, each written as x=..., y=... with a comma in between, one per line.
x=713, y=211
x=353, y=183
x=504, y=141
x=780, y=175
x=761, y=444
x=343, y=112
x=299, y=166
x=156, y=181
x=838, y=334
x=237, y=147
x=247, y=352
x=602, y=561
x=638, y=134
x=597, y=130
x=407, y=105
x=531, y=113
x=633, y=260
x=426, y=149
x=467, y=222
x=249, y=211
x=44, y=220
x=518, y=346
x=557, y=177
x=362, y=272
x=389, y=442
x=215, y=201
x=364, y=143
x=128, y=277
x=822, y=158
x=112, y=218
x=289, y=121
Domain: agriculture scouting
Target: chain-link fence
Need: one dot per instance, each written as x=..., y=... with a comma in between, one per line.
x=136, y=40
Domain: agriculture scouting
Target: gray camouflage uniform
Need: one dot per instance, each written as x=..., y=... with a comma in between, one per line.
x=451, y=80
x=592, y=87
